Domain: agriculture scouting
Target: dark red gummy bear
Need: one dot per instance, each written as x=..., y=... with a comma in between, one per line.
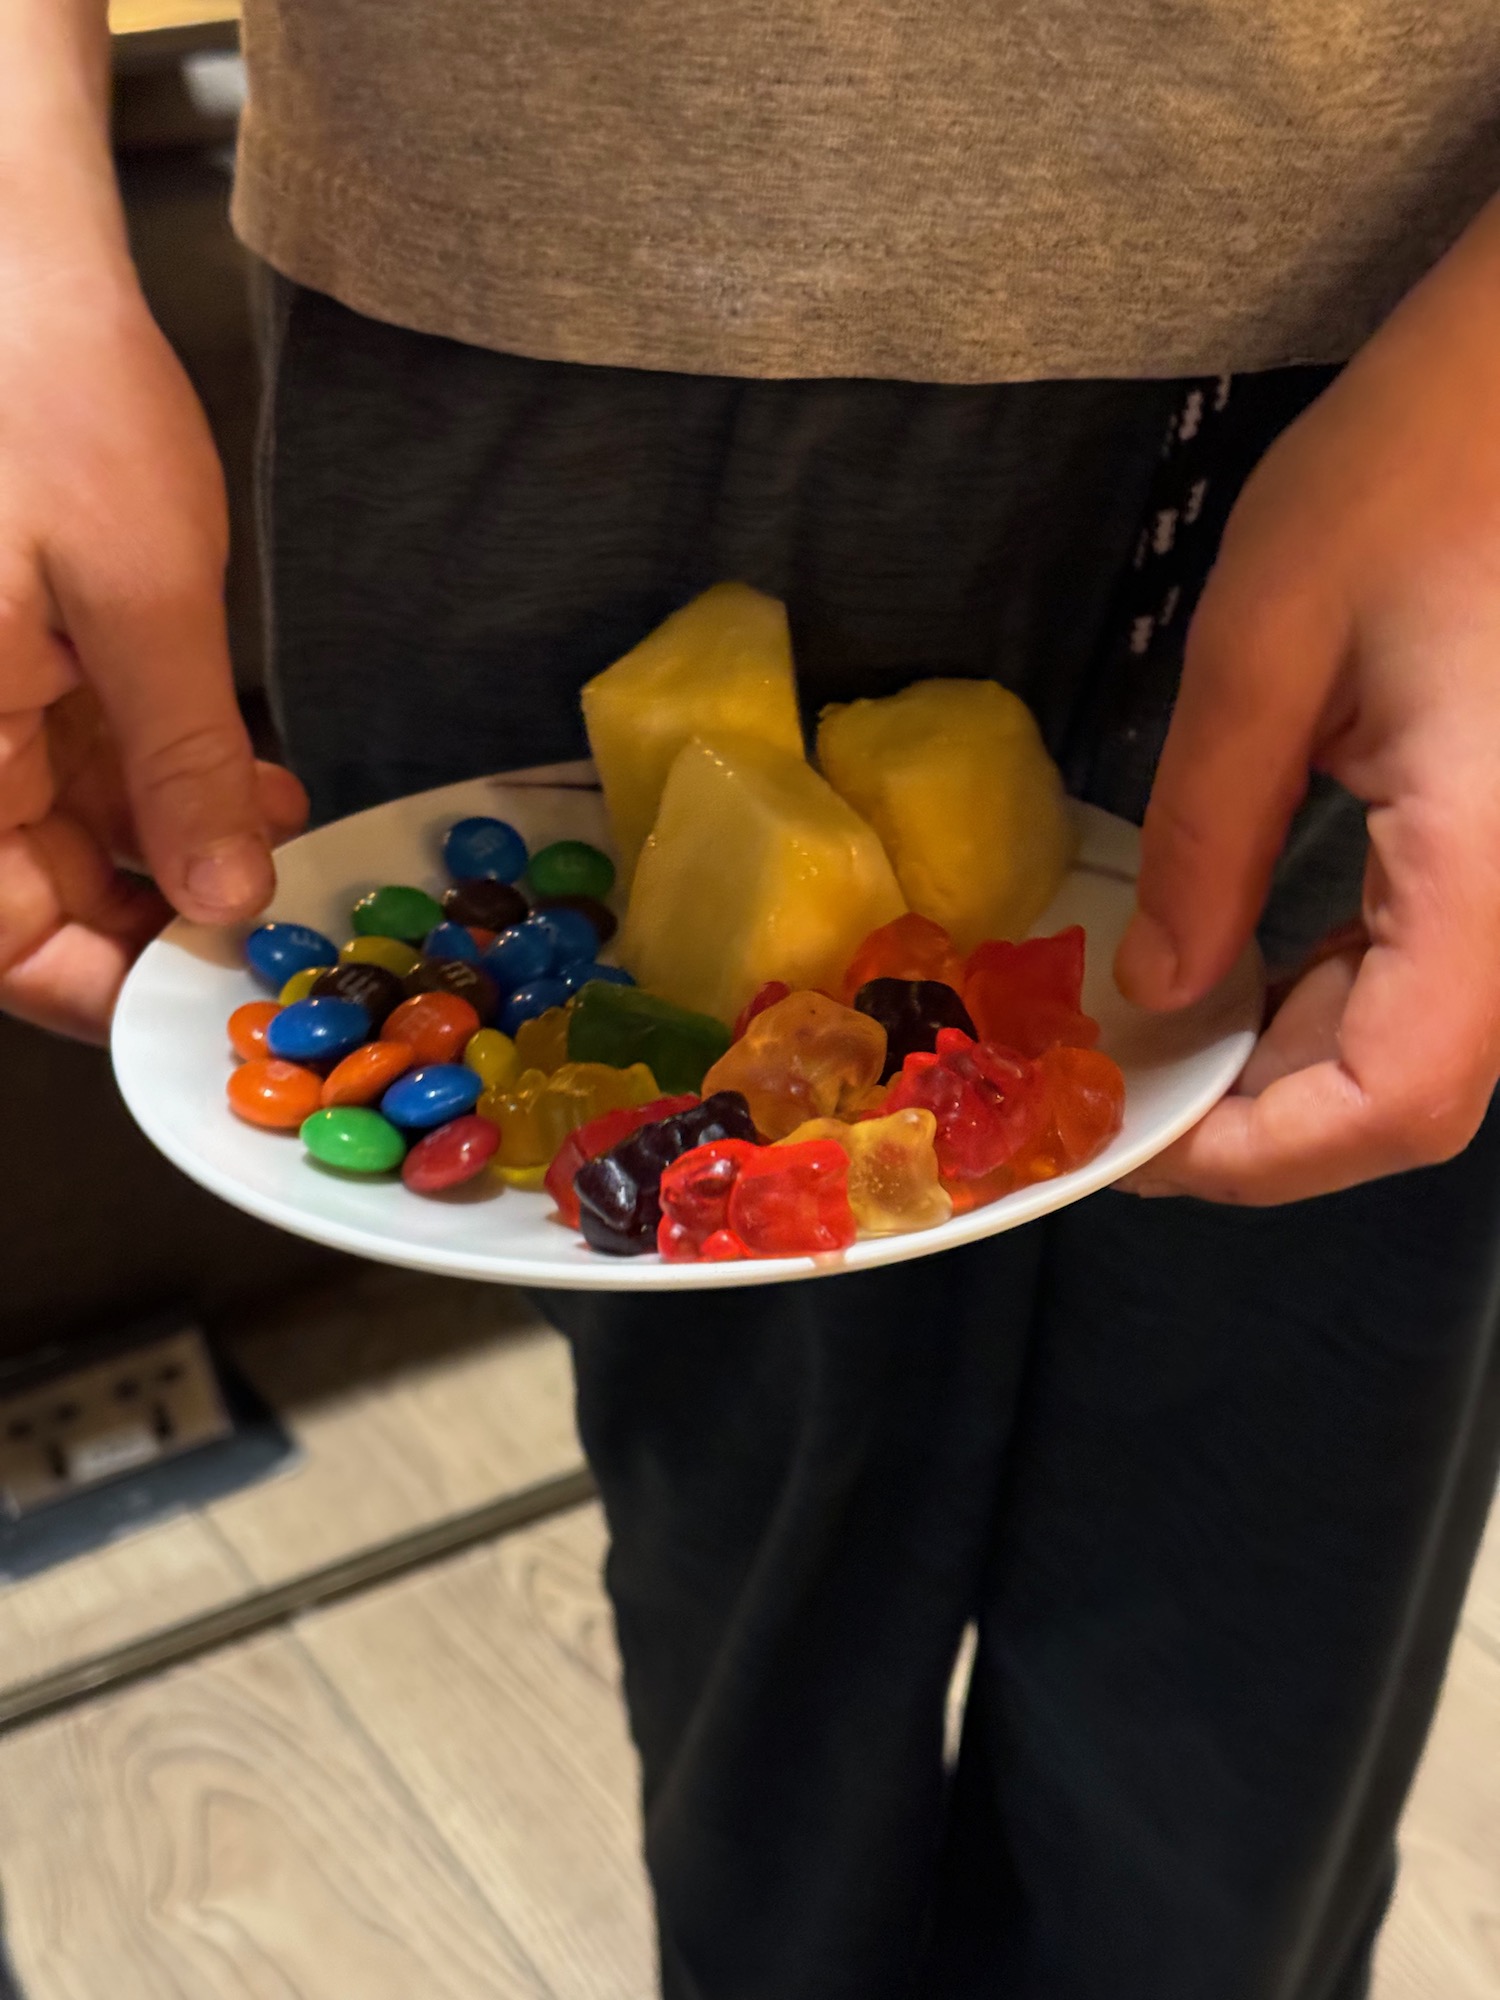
x=619, y=1192
x=988, y=1102
x=911, y=1011
x=1029, y=996
x=590, y=1140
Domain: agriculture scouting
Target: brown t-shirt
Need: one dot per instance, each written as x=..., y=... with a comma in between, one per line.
x=943, y=190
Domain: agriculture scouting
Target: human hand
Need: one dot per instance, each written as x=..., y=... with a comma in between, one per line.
x=121, y=743
x=1351, y=625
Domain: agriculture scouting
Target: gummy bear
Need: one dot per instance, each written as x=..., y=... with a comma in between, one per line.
x=619, y=1192
x=805, y=1057
x=911, y=1011
x=728, y=1200
x=621, y=1025
x=542, y=1042
x=1029, y=996
x=695, y=1191
x=537, y=1112
x=893, y=1169
x=763, y=997
x=912, y=947
x=1086, y=1106
x=597, y=1137
x=793, y=1201
x=989, y=1104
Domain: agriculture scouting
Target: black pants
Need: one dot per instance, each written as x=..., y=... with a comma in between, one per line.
x=1208, y=1482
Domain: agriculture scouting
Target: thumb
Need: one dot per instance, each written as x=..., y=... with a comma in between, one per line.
x=161, y=670
x=1234, y=769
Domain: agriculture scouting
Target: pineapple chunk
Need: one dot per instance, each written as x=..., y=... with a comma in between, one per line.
x=955, y=779
x=756, y=869
x=722, y=663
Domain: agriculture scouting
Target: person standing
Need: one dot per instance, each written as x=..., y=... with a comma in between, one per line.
x=1149, y=365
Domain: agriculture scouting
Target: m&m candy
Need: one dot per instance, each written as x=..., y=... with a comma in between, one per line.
x=389, y=952
x=276, y=1095
x=431, y=1096
x=450, y=1155
x=450, y=940
x=436, y=1026
x=519, y=955
x=482, y=849
x=353, y=1139
x=317, y=1030
x=573, y=936
x=367, y=1073
x=276, y=951
x=587, y=970
x=570, y=868
x=396, y=911
x=371, y=986
x=247, y=1027
x=487, y=906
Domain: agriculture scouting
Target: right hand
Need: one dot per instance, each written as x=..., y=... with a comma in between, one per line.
x=121, y=741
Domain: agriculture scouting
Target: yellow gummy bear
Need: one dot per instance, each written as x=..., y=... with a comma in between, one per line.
x=542, y=1042
x=893, y=1169
x=537, y=1112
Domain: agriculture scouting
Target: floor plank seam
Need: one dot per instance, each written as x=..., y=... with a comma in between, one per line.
x=376, y=1751
x=85, y=1681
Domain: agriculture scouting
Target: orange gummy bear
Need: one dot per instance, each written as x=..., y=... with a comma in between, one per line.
x=806, y=1057
x=912, y=947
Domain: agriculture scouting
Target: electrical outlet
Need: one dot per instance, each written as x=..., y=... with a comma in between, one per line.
x=78, y=1428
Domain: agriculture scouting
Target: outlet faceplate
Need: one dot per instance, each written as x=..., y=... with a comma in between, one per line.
x=78, y=1428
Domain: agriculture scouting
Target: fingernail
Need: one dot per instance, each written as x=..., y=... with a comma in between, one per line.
x=230, y=877
x=1146, y=963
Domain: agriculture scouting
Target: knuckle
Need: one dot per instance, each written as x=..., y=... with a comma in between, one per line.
x=1435, y=1127
x=210, y=757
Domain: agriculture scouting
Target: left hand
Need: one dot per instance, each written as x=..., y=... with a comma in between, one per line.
x=1351, y=625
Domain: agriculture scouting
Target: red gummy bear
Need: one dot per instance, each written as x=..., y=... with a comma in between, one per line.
x=590, y=1140
x=912, y=947
x=1028, y=996
x=695, y=1191
x=730, y=1199
x=793, y=1201
x=1085, y=1098
x=764, y=997
x=990, y=1104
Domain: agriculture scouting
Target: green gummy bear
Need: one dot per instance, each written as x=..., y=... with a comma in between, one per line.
x=622, y=1025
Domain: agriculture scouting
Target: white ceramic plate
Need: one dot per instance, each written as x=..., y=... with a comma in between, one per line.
x=171, y=1058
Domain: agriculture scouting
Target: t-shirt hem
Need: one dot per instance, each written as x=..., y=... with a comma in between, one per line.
x=372, y=254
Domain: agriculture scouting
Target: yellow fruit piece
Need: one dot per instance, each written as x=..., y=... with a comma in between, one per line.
x=955, y=779
x=721, y=664
x=542, y=1042
x=537, y=1112
x=755, y=870
x=301, y=984
x=493, y=1057
x=893, y=1169
x=390, y=952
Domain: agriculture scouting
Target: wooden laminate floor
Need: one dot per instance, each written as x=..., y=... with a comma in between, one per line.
x=427, y=1789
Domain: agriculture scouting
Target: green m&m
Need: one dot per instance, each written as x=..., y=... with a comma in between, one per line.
x=354, y=1139
x=397, y=911
x=570, y=868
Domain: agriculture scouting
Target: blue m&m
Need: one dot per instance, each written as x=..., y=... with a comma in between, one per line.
x=317, y=1030
x=276, y=951
x=572, y=936
x=587, y=971
x=431, y=1096
x=484, y=850
x=528, y=1001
